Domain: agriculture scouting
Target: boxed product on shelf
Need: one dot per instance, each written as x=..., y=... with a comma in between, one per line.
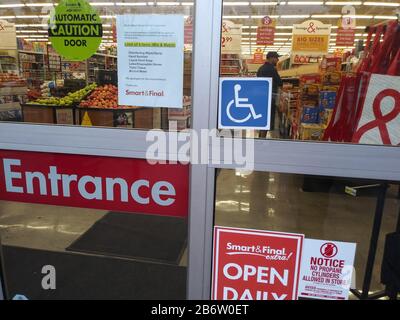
x=311, y=131
x=330, y=88
x=325, y=116
x=310, y=91
x=331, y=64
x=332, y=78
x=11, y=80
x=310, y=114
x=310, y=79
x=327, y=99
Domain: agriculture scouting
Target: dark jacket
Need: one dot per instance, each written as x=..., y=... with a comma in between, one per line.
x=267, y=70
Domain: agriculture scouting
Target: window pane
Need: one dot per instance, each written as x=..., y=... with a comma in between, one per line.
x=320, y=208
x=333, y=65
x=39, y=84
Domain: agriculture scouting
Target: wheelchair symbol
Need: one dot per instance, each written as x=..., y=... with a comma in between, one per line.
x=241, y=103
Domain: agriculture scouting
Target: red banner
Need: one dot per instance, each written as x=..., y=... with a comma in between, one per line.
x=265, y=35
x=345, y=37
x=188, y=31
x=255, y=265
x=105, y=183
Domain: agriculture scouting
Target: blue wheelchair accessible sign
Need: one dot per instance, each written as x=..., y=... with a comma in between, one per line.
x=245, y=103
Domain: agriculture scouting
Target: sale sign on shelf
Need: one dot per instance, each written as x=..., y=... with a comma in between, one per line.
x=266, y=31
x=188, y=31
x=231, y=38
x=255, y=264
x=7, y=35
x=310, y=39
x=326, y=269
x=345, y=37
x=258, y=57
x=104, y=183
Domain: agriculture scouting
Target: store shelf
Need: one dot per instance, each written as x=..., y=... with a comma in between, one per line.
x=301, y=70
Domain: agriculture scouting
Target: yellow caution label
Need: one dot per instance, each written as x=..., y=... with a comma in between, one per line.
x=86, y=120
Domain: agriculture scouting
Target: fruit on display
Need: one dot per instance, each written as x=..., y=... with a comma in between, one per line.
x=70, y=99
x=33, y=94
x=103, y=97
x=11, y=80
x=45, y=88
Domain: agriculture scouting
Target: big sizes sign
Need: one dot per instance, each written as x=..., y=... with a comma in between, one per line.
x=119, y=184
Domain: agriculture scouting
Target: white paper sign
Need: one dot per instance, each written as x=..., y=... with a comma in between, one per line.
x=231, y=38
x=150, y=60
x=7, y=35
x=326, y=269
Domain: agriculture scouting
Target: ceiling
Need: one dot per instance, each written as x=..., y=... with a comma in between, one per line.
x=30, y=16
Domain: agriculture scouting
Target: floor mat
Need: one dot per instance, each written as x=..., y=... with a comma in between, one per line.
x=138, y=236
x=81, y=276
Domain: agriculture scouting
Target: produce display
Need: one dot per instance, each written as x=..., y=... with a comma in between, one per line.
x=11, y=80
x=45, y=88
x=103, y=97
x=69, y=100
x=33, y=94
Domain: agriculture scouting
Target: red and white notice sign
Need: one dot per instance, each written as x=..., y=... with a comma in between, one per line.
x=266, y=31
x=345, y=37
x=326, y=269
x=106, y=183
x=188, y=32
x=255, y=264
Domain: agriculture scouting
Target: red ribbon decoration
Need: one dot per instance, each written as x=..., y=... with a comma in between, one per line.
x=380, y=119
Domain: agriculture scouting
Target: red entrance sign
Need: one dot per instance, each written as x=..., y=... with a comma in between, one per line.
x=106, y=183
x=345, y=37
x=255, y=265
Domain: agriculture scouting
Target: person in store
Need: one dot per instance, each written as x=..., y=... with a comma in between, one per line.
x=268, y=70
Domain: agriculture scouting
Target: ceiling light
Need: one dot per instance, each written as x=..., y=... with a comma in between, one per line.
x=236, y=3
x=343, y=3
x=327, y=16
x=358, y=16
x=167, y=3
x=260, y=17
x=27, y=17
x=266, y=3
x=235, y=17
x=310, y=3
x=15, y=5
x=43, y=4
x=131, y=4
x=386, y=17
x=96, y=4
x=381, y=4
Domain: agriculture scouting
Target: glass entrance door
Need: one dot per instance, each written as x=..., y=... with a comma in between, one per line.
x=318, y=166
x=91, y=207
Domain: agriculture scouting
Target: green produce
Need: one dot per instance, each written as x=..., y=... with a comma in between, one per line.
x=70, y=99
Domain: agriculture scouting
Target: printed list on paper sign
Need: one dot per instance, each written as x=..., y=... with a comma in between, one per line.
x=150, y=60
